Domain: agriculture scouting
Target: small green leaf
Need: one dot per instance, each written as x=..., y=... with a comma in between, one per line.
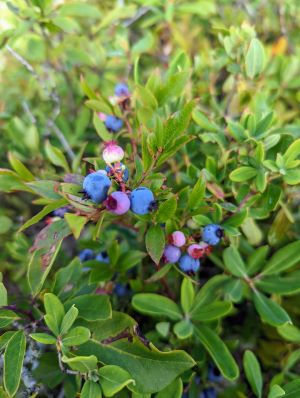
x=197, y=193
x=270, y=311
x=183, y=329
x=283, y=259
x=253, y=372
x=76, y=336
x=82, y=364
x=91, y=389
x=234, y=262
x=243, y=173
x=91, y=307
x=19, y=167
x=166, y=210
x=55, y=312
x=43, y=338
x=155, y=242
x=212, y=311
x=187, y=295
x=13, y=362
x=255, y=58
x=7, y=317
x=218, y=351
x=68, y=319
x=289, y=333
x=174, y=390
x=76, y=223
x=56, y=156
x=156, y=305
x=113, y=379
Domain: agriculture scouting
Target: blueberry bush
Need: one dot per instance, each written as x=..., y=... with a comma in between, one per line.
x=150, y=171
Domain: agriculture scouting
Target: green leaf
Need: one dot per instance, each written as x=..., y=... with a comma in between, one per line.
x=183, y=329
x=13, y=362
x=4, y=339
x=99, y=125
x=46, y=189
x=19, y=167
x=234, y=262
x=209, y=291
x=76, y=336
x=68, y=319
x=55, y=312
x=91, y=389
x=43, y=338
x=91, y=307
x=283, y=259
x=166, y=210
x=204, y=122
x=218, y=351
x=156, y=305
x=56, y=156
x=212, y=311
x=236, y=219
x=7, y=317
x=243, y=173
x=257, y=259
x=130, y=259
x=45, y=249
x=197, y=193
x=276, y=391
x=283, y=286
x=270, y=311
x=78, y=9
x=174, y=390
x=159, y=274
x=155, y=242
x=253, y=372
x=76, y=223
x=113, y=379
x=146, y=97
x=255, y=58
x=152, y=370
x=291, y=153
x=174, y=87
x=3, y=293
x=82, y=364
x=177, y=124
x=187, y=295
x=289, y=333
x=292, y=177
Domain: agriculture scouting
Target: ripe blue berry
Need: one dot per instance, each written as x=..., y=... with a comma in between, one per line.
x=118, y=203
x=142, y=201
x=189, y=264
x=60, y=212
x=214, y=374
x=86, y=254
x=96, y=185
x=172, y=254
x=102, y=257
x=208, y=393
x=120, y=169
x=122, y=90
x=113, y=123
x=212, y=234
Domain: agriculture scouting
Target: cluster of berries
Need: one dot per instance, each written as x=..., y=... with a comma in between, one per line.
x=97, y=184
x=88, y=254
x=190, y=262
x=112, y=122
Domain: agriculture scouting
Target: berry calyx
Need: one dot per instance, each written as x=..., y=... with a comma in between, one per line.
x=188, y=264
x=112, y=152
x=142, y=201
x=177, y=238
x=171, y=254
x=118, y=203
x=212, y=234
x=113, y=123
x=95, y=186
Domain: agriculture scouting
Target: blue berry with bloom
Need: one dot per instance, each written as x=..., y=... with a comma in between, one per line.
x=122, y=90
x=120, y=290
x=214, y=374
x=86, y=254
x=102, y=257
x=212, y=234
x=142, y=201
x=95, y=186
x=208, y=393
x=60, y=212
x=188, y=264
x=172, y=254
x=113, y=123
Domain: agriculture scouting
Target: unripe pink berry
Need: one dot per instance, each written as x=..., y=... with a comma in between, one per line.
x=118, y=203
x=197, y=250
x=177, y=238
x=112, y=152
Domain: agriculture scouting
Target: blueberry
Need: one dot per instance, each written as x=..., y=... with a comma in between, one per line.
x=118, y=203
x=102, y=257
x=214, y=374
x=60, y=212
x=209, y=392
x=120, y=290
x=177, y=238
x=188, y=264
x=122, y=90
x=96, y=185
x=198, y=250
x=113, y=123
x=86, y=254
x=142, y=201
x=120, y=169
x=172, y=254
x=212, y=234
